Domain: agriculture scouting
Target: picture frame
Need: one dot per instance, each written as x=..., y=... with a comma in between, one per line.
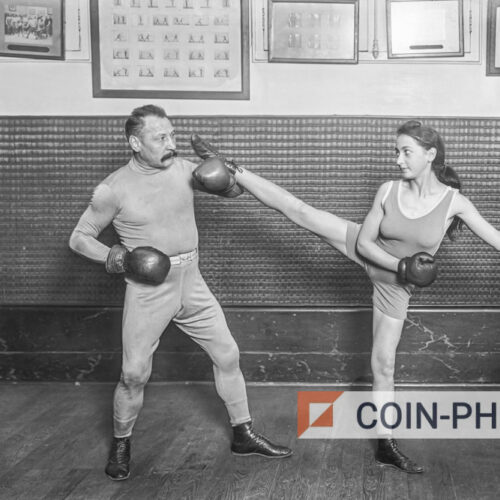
x=32, y=28
x=260, y=38
x=172, y=49
x=424, y=28
x=493, y=39
x=320, y=31
x=77, y=32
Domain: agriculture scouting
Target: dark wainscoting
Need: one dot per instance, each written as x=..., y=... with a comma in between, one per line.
x=276, y=345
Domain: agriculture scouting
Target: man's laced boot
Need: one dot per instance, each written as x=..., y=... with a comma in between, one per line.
x=119, y=458
x=247, y=442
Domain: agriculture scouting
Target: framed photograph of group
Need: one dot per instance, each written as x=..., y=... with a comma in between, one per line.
x=184, y=49
x=493, y=39
x=320, y=31
x=32, y=28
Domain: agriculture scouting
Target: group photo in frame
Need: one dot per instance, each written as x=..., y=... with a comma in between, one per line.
x=424, y=28
x=185, y=49
x=493, y=39
x=321, y=31
x=32, y=28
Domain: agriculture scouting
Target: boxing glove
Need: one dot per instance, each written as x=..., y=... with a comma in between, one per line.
x=420, y=269
x=210, y=176
x=146, y=264
x=214, y=176
x=203, y=148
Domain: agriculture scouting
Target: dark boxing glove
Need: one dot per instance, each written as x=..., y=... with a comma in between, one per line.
x=205, y=150
x=214, y=176
x=146, y=264
x=216, y=173
x=420, y=269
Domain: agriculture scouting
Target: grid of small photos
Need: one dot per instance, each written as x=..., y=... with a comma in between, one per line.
x=179, y=44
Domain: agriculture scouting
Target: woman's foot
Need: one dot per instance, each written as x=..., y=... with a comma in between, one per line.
x=389, y=454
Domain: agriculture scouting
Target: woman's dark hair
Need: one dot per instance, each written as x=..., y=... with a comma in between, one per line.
x=428, y=138
x=135, y=122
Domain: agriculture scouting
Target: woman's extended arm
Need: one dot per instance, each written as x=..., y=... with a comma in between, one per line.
x=465, y=209
x=368, y=235
x=327, y=226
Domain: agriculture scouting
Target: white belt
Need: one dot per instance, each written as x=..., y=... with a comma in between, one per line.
x=183, y=257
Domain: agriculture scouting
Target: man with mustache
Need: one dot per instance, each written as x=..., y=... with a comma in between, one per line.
x=150, y=202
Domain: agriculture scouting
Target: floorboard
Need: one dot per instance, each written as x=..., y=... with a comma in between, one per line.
x=55, y=439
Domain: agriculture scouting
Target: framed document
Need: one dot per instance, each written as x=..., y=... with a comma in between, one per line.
x=425, y=28
x=173, y=49
x=321, y=31
x=493, y=39
x=32, y=28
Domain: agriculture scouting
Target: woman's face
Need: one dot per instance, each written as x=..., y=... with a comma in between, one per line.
x=412, y=158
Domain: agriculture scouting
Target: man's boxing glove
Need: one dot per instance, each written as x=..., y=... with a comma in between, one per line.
x=214, y=176
x=420, y=269
x=212, y=182
x=203, y=148
x=146, y=264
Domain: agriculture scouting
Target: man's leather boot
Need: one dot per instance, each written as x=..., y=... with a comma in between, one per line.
x=247, y=442
x=119, y=458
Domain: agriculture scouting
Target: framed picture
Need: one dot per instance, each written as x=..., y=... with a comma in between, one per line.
x=260, y=51
x=321, y=31
x=175, y=49
x=493, y=39
x=425, y=28
x=32, y=28
x=77, y=32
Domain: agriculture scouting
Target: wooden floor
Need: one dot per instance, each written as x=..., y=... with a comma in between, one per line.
x=54, y=441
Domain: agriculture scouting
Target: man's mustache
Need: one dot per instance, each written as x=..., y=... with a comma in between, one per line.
x=170, y=154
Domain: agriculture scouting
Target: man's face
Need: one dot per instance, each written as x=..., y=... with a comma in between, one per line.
x=155, y=146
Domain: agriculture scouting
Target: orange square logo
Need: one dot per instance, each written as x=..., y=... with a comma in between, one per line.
x=315, y=409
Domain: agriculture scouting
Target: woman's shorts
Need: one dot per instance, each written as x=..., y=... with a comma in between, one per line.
x=389, y=296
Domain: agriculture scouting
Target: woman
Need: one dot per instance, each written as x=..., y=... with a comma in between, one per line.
x=408, y=216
